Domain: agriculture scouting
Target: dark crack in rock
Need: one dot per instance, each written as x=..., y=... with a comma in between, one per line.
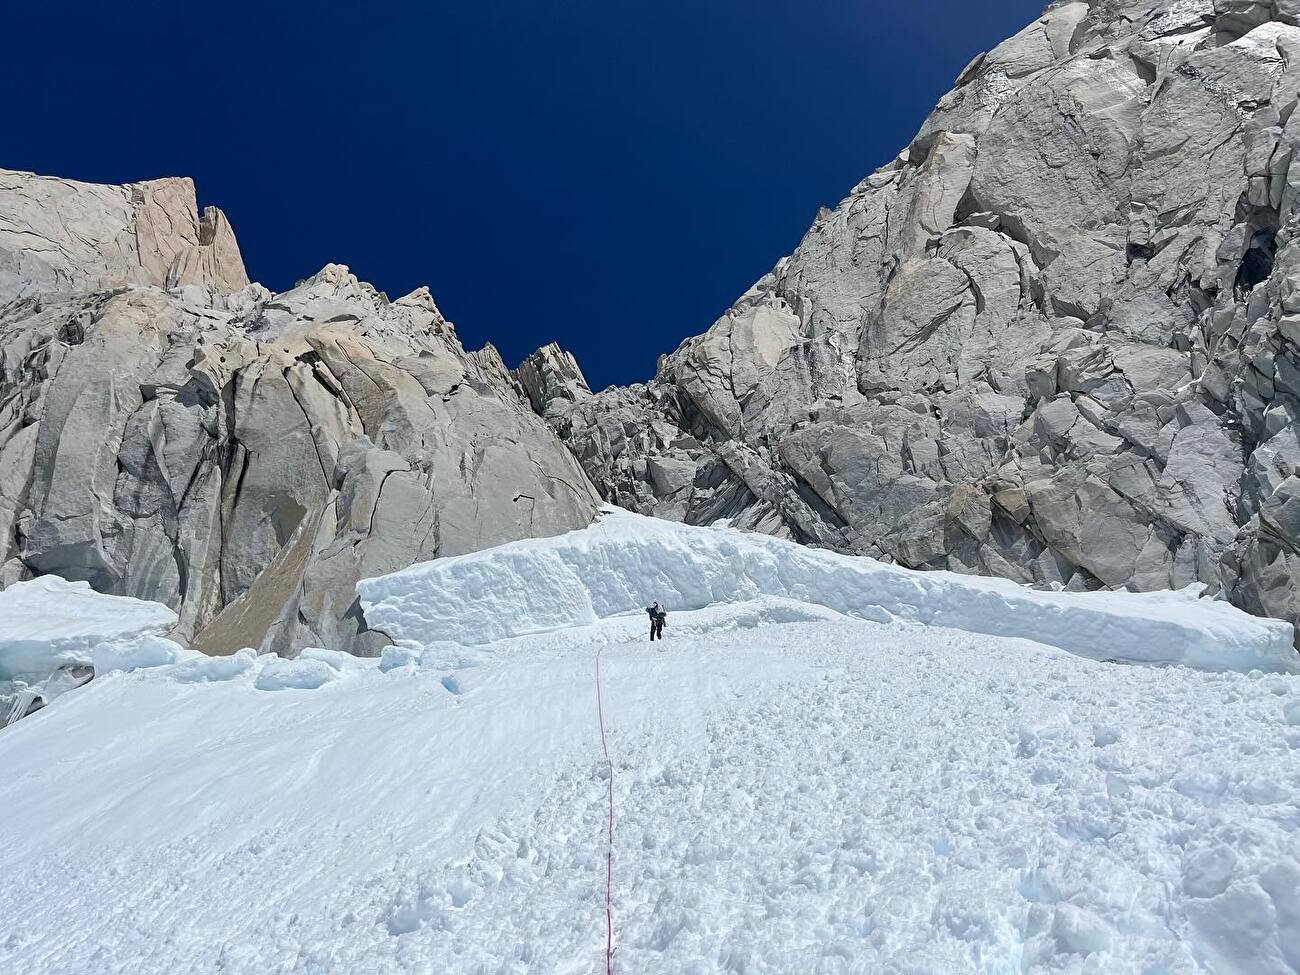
x=1057, y=339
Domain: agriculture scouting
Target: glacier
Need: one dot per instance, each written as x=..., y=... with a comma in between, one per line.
x=797, y=786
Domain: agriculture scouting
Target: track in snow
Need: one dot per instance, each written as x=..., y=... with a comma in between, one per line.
x=816, y=796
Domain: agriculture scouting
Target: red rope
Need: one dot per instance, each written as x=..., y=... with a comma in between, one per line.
x=609, y=840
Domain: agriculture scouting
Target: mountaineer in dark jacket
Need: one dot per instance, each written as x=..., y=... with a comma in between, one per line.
x=657, y=617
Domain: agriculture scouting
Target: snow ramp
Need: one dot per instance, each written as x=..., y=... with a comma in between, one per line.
x=625, y=561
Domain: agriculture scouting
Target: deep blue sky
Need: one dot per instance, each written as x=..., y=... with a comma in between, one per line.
x=609, y=174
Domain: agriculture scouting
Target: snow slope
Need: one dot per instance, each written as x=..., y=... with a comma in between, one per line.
x=798, y=789
x=626, y=561
x=796, y=792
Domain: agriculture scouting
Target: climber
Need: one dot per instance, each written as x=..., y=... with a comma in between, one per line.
x=658, y=616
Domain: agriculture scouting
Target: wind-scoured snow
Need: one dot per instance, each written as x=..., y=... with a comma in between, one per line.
x=626, y=561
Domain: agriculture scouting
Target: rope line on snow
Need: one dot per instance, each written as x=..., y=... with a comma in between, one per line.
x=609, y=839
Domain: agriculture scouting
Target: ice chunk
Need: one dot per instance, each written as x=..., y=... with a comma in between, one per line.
x=337, y=659
x=143, y=651
x=208, y=670
x=1078, y=931
x=50, y=622
x=301, y=674
x=50, y=634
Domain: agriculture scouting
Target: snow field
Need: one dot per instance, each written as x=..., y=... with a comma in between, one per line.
x=796, y=792
x=830, y=766
x=919, y=801
x=625, y=561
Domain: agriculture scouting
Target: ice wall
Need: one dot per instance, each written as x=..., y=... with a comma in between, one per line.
x=625, y=561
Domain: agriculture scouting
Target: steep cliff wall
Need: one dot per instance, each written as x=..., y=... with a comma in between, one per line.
x=1057, y=339
x=169, y=431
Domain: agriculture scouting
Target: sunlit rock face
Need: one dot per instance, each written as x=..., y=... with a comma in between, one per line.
x=171, y=432
x=62, y=235
x=1056, y=339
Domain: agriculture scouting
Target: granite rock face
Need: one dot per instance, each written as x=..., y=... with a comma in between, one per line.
x=61, y=235
x=1056, y=339
x=169, y=431
x=552, y=376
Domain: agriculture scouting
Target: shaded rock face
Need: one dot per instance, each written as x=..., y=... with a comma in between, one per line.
x=1057, y=339
x=170, y=432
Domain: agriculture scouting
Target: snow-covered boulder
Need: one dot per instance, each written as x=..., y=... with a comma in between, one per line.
x=626, y=561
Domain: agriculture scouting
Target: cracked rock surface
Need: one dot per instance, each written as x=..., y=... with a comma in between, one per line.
x=1056, y=339
x=171, y=432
